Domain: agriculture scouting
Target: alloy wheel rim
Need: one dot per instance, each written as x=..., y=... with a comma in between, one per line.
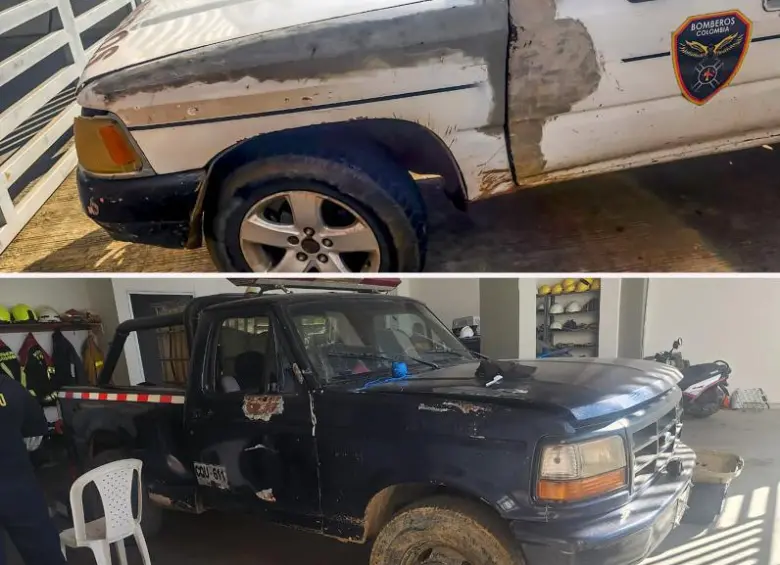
x=302, y=231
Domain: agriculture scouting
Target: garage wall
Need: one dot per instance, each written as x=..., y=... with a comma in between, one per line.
x=729, y=319
x=447, y=298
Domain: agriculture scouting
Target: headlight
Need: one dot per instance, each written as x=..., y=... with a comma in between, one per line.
x=103, y=147
x=576, y=471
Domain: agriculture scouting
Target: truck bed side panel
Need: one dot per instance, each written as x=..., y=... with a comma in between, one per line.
x=146, y=422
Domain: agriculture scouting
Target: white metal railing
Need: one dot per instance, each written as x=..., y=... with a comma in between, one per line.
x=16, y=215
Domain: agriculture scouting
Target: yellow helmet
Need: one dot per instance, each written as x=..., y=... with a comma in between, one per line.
x=582, y=286
x=544, y=289
x=596, y=285
x=569, y=288
x=557, y=289
x=5, y=315
x=568, y=282
x=23, y=313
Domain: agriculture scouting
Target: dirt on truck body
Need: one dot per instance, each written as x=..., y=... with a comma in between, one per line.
x=355, y=415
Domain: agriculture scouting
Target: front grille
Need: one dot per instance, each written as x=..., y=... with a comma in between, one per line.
x=654, y=444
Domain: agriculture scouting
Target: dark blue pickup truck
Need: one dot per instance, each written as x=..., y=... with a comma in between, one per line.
x=362, y=417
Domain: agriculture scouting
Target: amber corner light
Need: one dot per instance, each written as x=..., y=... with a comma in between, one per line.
x=103, y=147
x=580, y=489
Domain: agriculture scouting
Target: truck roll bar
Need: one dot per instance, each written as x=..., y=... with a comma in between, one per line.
x=125, y=329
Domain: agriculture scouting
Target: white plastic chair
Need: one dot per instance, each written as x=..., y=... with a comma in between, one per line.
x=114, y=482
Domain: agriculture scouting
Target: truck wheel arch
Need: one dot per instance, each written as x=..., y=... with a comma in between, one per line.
x=410, y=144
x=390, y=500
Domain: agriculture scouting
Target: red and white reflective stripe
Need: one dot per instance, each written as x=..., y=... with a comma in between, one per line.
x=124, y=397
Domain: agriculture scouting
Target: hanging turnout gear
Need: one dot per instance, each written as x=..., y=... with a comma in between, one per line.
x=68, y=368
x=93, y=358
x=37, y=371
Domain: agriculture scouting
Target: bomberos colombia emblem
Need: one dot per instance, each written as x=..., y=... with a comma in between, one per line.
x=708, y=51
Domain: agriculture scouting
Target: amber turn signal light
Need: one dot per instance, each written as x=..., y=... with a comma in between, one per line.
x=103, y=147
x=580, y=489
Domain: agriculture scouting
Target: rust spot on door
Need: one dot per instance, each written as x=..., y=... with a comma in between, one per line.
x=262, y=407
x=266, y=495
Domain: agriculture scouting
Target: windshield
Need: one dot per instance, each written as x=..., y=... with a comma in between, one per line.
x=348, y=338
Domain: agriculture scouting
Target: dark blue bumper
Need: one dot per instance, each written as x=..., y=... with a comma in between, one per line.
x=622, y=537
x=155, y=210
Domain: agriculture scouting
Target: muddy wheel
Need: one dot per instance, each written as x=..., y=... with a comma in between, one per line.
x=314, y=208
x=151, y=518
x=445, y=531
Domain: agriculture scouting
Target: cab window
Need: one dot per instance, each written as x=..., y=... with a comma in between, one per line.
x=250, y=358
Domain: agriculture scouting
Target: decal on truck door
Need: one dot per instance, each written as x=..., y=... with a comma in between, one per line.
x=708, y=51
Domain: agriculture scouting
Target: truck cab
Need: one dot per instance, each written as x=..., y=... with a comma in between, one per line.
x=355, y=415
x=292, y=137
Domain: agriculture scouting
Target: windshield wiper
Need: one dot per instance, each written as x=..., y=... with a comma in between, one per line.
x=382, y=357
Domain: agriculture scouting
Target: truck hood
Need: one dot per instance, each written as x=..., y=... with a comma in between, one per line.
x=158, y=28
x=586, y=389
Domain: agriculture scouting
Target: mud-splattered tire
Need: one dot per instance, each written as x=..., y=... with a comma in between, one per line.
x=448, y=527
x=361, y=177
x=152, y=515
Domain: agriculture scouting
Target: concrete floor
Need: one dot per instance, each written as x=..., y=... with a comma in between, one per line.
x=747, y=533
x=710, y=214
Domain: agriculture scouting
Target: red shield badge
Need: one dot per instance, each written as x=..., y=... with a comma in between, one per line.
x=708, y=51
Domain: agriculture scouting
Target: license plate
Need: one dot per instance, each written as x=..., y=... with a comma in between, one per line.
x=682, y=506
x=211, y=475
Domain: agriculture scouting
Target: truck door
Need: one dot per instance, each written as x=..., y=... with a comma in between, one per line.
x=251, y=429
x=598, y=85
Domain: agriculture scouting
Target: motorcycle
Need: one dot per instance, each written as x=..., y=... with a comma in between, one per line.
x=704, y=385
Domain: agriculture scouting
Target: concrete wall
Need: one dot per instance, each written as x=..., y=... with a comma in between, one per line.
x=500, y=318
x=447, y=298
x=729, y=319
x=633, y=305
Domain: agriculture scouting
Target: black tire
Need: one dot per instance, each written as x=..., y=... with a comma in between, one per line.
x=362, y=176
x=707, y=404
x=152, y=516
x=474, y=531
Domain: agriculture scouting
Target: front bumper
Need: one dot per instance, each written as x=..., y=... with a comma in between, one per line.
x=154, y=209
x=624, y=536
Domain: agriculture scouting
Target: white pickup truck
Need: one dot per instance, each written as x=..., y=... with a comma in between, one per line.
x=288, y=132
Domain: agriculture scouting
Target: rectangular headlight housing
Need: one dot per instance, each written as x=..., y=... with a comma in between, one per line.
x=103, y=147
x=578, y=471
